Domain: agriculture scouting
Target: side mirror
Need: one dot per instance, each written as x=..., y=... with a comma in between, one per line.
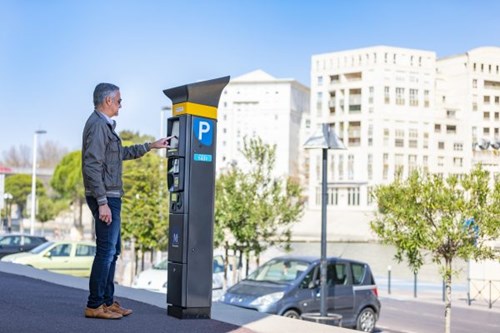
x=47, y=255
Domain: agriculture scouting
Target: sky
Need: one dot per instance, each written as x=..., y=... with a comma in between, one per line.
x=53, y=52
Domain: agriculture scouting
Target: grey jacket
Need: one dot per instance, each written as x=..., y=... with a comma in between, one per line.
x=102, y=156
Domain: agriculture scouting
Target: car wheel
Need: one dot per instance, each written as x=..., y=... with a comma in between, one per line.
x=291, y=314
x=366, y=320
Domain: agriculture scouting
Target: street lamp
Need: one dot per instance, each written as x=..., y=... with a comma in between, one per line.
x=324, y=139
x=33, y=182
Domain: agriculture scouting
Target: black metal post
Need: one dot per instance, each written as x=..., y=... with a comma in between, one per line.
x=415, y=284
x=324, y=198
x=389, y=279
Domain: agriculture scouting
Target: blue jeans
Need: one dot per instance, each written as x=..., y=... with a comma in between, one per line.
x=101, y=284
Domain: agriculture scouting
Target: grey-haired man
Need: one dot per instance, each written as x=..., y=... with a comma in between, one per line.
x=102, y=156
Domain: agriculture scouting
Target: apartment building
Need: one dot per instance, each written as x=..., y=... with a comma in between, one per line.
x=397, y=109
x=259, y=105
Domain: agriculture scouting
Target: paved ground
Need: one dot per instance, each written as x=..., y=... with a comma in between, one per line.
x=36, y=301
x=30, y=305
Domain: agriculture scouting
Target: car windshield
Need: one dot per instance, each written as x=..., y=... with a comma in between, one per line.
x=41, y=247
x=161, y=265
x=281, y=270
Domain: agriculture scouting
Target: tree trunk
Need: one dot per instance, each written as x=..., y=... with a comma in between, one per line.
x=447, y=312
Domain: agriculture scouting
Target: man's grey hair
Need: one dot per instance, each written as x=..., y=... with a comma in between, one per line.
x=103, y=90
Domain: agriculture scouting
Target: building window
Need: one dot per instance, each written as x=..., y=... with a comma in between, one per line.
x=386, y=137
x=341, y=167
x=370, y=96
x=370, y=135
x=457, y=161
x=387, y=98
x=413, y=138
x=400, y=96
x=413, y=97
x=320, y=80
x=399, y=140
x=369, y=167
x=350, y=167
x=425, y=144
x=451, y=129
x=486, y=99
x=385, y=171
x=458, y=146
x=441, y=145
x=333, y=196
x=474, y=83
x=353, y=196
x=426, y=98
x=412, y=163
x=486, y=115
x=440, y=161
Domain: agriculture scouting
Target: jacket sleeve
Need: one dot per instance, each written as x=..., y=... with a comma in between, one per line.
x=93, y=161
x=135, y=151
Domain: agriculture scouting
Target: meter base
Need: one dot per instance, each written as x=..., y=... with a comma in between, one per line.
x=188, y=313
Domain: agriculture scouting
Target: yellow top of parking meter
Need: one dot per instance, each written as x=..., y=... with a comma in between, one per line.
x=199, y=99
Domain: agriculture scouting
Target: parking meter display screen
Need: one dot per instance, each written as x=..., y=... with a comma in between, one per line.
x=174, y=142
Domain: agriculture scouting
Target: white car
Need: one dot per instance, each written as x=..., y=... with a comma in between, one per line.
x=155, y=279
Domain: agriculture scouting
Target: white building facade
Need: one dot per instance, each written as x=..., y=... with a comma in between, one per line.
x=395, y=110
x=259, y=105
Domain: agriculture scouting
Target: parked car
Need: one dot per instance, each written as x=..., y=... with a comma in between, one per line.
x=155, y=278
x=290, y=286
x=14, y=243
x=65, y=257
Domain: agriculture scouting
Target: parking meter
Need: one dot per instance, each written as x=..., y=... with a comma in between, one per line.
x=191, y=185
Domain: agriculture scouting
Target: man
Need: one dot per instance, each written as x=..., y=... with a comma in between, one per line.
x=102, y=155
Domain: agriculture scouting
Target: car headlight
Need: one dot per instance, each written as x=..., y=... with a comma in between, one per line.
x=267, y=299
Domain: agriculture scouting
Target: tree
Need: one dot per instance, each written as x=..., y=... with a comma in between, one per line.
x=49, y=154
x=144, y=211
x=18, y=157
x=67, y=181
x=253, y=210
x=20, y=187
x=447, y=219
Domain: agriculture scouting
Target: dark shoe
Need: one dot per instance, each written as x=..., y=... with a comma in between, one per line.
x=101, y=312
x=116, y=308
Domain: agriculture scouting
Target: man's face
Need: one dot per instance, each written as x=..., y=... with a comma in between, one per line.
x=116, y=103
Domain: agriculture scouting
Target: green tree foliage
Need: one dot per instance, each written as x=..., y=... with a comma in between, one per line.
x=67, y=181
x=20, y=187
x=253, y=210
x=145, y=209
x=443, y=218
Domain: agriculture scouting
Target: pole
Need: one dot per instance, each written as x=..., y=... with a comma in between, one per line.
x=324, y=197
x=33, y=186
x=389, y=279
x=415, y=284
x=33, y=183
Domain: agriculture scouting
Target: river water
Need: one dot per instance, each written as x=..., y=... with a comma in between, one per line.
x=380, y=257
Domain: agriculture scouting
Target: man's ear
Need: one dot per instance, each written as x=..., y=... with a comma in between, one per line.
x=109, y=100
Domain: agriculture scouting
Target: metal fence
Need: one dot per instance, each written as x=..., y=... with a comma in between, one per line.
x=483, y=291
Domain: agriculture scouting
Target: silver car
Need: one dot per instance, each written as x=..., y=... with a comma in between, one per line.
x=289, y=286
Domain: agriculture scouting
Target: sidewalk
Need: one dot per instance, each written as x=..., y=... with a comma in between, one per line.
x=41, y=301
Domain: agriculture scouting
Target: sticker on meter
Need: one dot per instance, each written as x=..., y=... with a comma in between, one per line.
x=203, y=130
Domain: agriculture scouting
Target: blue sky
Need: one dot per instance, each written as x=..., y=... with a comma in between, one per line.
x=54, y=52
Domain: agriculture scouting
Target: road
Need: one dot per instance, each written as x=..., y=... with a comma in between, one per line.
x=411, y=316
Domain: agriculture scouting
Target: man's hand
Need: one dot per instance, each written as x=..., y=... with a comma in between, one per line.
x=162, y=143
x=105, y=214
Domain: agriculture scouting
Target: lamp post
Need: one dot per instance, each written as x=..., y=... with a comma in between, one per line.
x=33, y=182
x=324, y=139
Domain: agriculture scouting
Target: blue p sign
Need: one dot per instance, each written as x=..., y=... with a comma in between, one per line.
x=203, y=130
